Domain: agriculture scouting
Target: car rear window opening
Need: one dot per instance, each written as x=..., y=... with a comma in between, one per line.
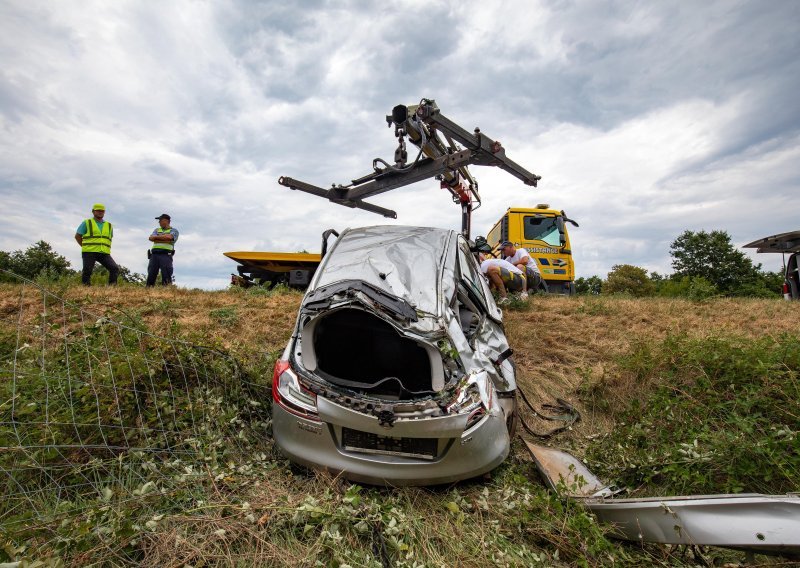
x=355, y=346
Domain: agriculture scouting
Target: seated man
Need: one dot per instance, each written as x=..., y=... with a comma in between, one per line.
x=502, y=276
x=520, y=258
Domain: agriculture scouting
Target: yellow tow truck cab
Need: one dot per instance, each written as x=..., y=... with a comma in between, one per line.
x=543, y=233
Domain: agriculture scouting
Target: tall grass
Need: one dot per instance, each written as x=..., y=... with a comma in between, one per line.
x=651, y=376
x=717, y=414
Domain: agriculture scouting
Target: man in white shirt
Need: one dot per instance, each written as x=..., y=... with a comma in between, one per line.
x=503, y=276
x=520, y=258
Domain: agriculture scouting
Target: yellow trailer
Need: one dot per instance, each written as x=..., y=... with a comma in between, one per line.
x=271, y=268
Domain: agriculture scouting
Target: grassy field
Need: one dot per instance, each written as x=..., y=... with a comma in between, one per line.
x=676, y=397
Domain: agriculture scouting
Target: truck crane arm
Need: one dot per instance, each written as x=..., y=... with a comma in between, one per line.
x=441, y=155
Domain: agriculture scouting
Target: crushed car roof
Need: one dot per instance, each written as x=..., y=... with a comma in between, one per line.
x=404, y=261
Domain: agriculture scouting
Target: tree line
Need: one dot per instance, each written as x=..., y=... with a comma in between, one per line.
x=705, y=264
x=40, y=262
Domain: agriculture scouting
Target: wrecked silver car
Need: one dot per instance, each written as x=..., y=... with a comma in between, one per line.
x=398, y=371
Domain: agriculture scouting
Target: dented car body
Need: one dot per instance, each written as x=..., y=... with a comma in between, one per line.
x=398, y=371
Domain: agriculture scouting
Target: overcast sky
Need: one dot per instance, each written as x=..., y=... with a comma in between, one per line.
x=644, y=119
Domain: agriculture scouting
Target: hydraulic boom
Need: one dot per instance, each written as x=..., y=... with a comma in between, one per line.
x=445, y=151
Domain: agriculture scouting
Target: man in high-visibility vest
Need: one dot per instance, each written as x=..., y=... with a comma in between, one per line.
x=94, y=235
x=163, y=239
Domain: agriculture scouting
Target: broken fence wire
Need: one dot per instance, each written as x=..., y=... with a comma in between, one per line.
x=105, y=424
x=568, y=414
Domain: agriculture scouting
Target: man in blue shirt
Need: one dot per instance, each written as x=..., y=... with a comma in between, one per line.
x=163, y=239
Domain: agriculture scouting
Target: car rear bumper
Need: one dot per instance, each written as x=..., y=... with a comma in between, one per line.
x=457, y=455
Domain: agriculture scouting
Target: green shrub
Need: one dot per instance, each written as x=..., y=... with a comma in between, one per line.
x=628, y=279
x=689, y=287
x=710, y=415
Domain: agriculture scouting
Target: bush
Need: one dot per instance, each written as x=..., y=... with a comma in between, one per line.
x=690, y=287
x=41, y=263
x=628, y=279
x=710, y=415
x=591, y=285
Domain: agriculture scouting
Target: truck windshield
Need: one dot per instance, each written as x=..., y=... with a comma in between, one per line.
x=541, y=229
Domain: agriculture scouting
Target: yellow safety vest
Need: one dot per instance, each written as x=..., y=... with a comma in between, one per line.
x=164, y=246
x=95, y=239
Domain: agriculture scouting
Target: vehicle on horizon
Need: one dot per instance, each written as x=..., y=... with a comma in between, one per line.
x=786, y=244
x=398, y=371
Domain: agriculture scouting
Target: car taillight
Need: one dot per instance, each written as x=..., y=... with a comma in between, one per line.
x=287, y=392
x=468, y=401
x=476, y=416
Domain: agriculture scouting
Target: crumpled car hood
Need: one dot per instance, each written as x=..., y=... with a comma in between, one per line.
x=387, y=270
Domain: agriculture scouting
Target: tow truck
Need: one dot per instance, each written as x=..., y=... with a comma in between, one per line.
x=440, y=156
x=444, y=152
x=541, y=231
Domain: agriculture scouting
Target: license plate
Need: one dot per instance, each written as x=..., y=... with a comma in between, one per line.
x=368, y=443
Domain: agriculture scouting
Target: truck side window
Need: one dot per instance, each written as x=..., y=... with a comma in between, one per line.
x=541, y=229
x=495, y=236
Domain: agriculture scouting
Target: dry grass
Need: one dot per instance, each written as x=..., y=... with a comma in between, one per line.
x=560, y=345
x=560, y=342
x=260, y=321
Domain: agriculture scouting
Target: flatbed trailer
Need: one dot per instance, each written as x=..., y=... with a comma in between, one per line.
x=293, y=269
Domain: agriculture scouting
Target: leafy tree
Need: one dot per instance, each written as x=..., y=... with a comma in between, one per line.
x=628, y=279
x=38, y=260
x=41, y=261
x=591, y=285
x=773, y=281
x=712, y=256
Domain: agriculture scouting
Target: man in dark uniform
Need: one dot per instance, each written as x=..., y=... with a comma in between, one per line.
x=163, y=239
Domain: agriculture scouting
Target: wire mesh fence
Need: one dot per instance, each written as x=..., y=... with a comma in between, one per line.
x=106, y=427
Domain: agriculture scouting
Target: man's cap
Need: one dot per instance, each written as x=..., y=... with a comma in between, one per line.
x=505, y=244
x=98, y=207
x=164, y=216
